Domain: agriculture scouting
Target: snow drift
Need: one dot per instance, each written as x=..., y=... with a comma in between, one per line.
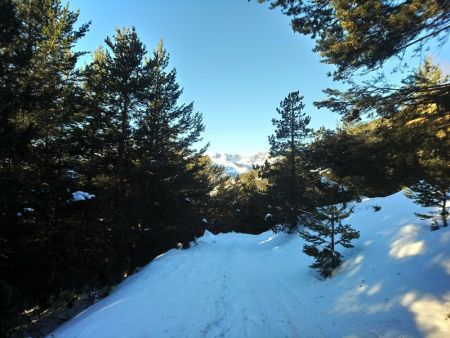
x=394, y=282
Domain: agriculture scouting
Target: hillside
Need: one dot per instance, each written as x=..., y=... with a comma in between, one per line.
x=394, y=282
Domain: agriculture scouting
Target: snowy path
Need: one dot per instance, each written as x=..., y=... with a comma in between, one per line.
x=212, y=287
x=238, y=285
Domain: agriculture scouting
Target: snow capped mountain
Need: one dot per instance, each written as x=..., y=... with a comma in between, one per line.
x=236, y=164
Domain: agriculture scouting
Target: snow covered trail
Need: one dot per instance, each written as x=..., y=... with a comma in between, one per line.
x=395, y=282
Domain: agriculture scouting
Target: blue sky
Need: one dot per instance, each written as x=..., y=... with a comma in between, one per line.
x=235, y=59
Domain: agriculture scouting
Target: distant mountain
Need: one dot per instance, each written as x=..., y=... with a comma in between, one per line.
x=236, y=164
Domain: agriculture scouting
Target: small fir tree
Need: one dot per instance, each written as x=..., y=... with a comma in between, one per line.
x=433, y=193
x=325, y=232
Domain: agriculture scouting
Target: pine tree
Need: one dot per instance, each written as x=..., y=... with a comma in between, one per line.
x=10, y=58
x=287, y=144
x=435, y=194
x=362, y=36
x=409, y=142
x=39, y=98
x=165, y=124
x=114, y=128
x=422, y=130
x=172, y=169
x=127, y=75
x=91, y=137
x=115, y=85
x=136, y=145
x=365, y=34
x=9, y=145
x=251, y=204
x=324, y=232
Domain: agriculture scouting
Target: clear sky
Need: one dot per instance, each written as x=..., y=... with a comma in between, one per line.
x=235, y=59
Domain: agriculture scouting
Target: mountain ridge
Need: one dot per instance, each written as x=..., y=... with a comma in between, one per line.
x=237, y=164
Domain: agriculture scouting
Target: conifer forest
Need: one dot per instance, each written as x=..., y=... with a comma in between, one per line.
x=109, y=193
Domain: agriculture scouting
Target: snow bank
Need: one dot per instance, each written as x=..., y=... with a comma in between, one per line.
x=394, y=282
x=81, y=196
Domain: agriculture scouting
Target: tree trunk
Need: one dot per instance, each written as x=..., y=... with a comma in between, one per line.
x=124, y=130
x=293, y=177
x=333, y=259
x=444, y=212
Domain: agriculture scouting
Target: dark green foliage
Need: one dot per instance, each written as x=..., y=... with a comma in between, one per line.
x=434, y=194
x=288, y=174
x=291, y=129
x=5, y=296
x=251, y=204
x=323, y=232
x=239, y=204
x=128, y=78
x=405, y=146
x=359, y=155
x=136, y=142
x=281, y=197
x=38, y=97
x=410, y=133
x=355, y=35
x=427, y=85
x=364, y=34
x=114, y=128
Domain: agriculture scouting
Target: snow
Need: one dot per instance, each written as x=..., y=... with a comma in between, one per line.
x=235, y=164
x=81, y=196
x=394, y=282
x=72, y=174
x=25, y=210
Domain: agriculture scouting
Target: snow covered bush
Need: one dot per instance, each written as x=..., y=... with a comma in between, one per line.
x=81, y=196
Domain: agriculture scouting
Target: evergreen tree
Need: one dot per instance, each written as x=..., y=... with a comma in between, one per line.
x=115, y=85
x=433, y=193
x=408, y=143
x=137, y=142
x=39, y=97
x=10, y=58
x=287, y=145
x=166, y=124
x=425, y=86
x=364, y=34
x=127, y=79
x=362, y=157
x=324, y=232
x=174, y=171
x=251, y=203
x=237, y=204
x=114, y=128
x=92, y=137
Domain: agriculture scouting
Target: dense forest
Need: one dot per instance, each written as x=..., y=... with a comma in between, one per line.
x=102, y=167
